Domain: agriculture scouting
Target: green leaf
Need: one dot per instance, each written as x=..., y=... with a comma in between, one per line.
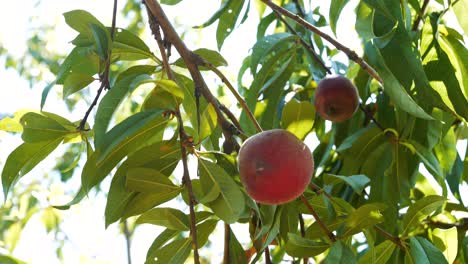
x=142, y=202
x=13, y=124
x=126, y=137
x=148, y=180
x=208, y=122
x=204, y=230
x=378, y=254
x=236, y=252
x=160, y=99
x=357, y=182
x=392, y=86
x=81, y=21
x=50, y=219
x=447, y=241
x=23, y=159
x=37, y=127
x=300, y=247
x=315, y=230
x=211, y=56
x=167, y=217
x=420, y=210
x=102, y=39
x=460, y=9
x=230, y=203
x=10, y=260
x=335, y=9
x=340, y=253
x=126, y=82
x=364, y=217
x=129, y=47
x=162, y=238
x=426, y=156
x=170, y=2
x=422, y=251
x=298, y=117
x=227, y=21
x=224, y=6
x=266, y=46
x=175, y=252
x=75, y=82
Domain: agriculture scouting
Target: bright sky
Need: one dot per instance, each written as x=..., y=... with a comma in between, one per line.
x=83, y=224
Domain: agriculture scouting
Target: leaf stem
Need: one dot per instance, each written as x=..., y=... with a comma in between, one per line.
x=302, y=229
x=396, y=240
x=418, y=19
x=227, y=238
x=351, y=54
x=317, y=218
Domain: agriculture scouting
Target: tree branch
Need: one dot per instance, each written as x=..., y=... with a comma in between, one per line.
x=184, y=139
x=351, y=54
x=104, y=78
x=396, y=240
x=317, y=218
x=420, y=15
x=192, y=61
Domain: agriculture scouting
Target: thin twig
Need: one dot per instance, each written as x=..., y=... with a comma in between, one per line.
x=351, y=54
x=227, y=238
x=420, y=15
x=104, y=78
x=188, y=183
x=303, y=42
x=317, y=218
x=302, y=229
x=396, y=240
x=128, y=236
x=371, y=117
x=267, y=255
x=239, y=98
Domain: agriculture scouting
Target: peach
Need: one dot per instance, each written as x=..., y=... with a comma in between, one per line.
x=336, y=99
x=275, y=167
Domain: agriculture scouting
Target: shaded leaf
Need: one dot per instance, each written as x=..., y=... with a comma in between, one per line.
x=378, y=254
x=420, y=210
x=340, y=253
x=422, y=251
x=167, y=217
x=357, y=182
x=300, y=247
x=148, y=180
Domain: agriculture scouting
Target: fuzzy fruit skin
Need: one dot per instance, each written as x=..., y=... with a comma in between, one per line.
x=336, y=99
x=275, y=167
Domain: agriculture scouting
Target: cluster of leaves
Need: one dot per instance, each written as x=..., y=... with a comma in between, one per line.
x=368, y=173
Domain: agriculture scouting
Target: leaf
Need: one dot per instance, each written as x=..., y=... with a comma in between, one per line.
x=143, y=202
x=378, y=254
x=125, y=83
x=447, y=241
x=23, y=159
x=160, y=99
x=298, y=117
x=208, y=122
x=12, y=124
x=162, y=238
x=224, y=6
x=126, y=137
x=211, y=56
x=227, y=21
x=422, y=251
x=460, y=11
x=335, y=9
x=75, y=82
x=357, y=182
x=300, y=247
x=10, y=260
x=129, y=47
x=81, y=21
x=167, y=217
x=230, y=203
x=175, y=252
x=102, y=39
x=266, y=45
x=236, y=252
x=426, y=156
x=420, y=210
x=364, y=217
x=50, y=219
x=392, y=86
x=37, y=127
x=204, y=230
x=340, y=253
x=148, y=180
x=315, y=231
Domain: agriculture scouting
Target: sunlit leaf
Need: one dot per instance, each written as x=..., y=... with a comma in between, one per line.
x=298, y=117
x=378, y=254
x=167, y=217
x=447, y=241
x=419, y=210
